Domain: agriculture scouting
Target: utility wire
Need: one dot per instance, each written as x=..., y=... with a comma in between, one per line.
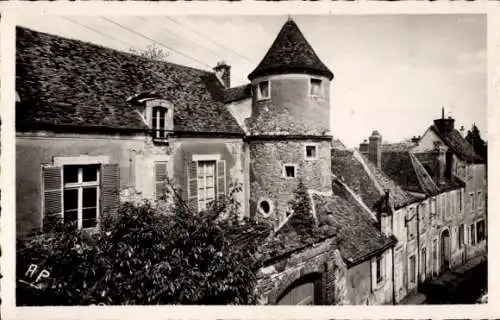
x=99, y=32
x=217, y=43
x=155, y=41
x=178, y=35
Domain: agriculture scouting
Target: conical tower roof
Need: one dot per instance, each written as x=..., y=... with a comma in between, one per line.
x=290, y=53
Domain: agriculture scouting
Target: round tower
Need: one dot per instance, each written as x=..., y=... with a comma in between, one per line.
x=290, y=124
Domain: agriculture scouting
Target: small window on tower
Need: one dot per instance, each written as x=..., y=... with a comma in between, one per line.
x=311, y=152
x=289, y=171
x=316, y=87
x=263, y=90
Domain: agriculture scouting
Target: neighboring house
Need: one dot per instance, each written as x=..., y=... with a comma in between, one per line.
x=443, y=144
x=385, y=200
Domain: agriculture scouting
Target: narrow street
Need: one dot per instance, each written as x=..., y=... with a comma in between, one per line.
x=458, y=288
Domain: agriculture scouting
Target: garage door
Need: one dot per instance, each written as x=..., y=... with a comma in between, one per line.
x=300, y=294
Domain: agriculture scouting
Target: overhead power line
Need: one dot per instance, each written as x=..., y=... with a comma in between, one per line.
x=155, y=41
x=99, y=32
x=217, y=43
x=178, y=35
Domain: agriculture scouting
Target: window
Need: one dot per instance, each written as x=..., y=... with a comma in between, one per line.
x=471, y=199
x=472, y=235
x=316, y=88
x=461, y=233
x=160, y=179
x=480, y=231
x=412, y=269
x=311, y=152
x=378, y=267
x=460, y=195
x=265, y=207
x=289, y=171
x=424, y=263
x=263, y=90
x=206, y=183
x=81, y=195
x=479, y=199
x=423, y=217
x=159, y=122
x=411, y=224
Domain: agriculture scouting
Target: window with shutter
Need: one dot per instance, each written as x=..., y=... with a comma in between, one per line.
x=193, y=186
x=110, y=188
x=52, y=203
x=160, y=179
x=221, y=179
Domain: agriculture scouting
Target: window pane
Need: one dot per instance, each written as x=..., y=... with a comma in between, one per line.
x=89, y=218
x=70, y=174
x=89, y=197
x=201, y=205
x=210, y=168
x=201, y=183
x=71, y=218
x=201, y=193
x=210, y=193
x=210, y=182
x=70, y=199
x=89, y=173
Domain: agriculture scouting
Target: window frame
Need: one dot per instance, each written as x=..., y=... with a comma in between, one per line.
x=321, y=92
x=271, y=208
x=461, y=236
x=80, y=185
x=379, y=275
x=260, y=95
x=472, y=201
x=472, y=232
x=309, y=145
x=285, y=165
x=479, y=199
x=483, y=234
x=214, y=183
x=155, y=127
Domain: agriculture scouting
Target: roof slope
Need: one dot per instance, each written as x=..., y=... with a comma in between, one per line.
x=237, y=93
x=462, y=148
x=363, y=177
x=290, y=52
x=357, y=234
x=67, y=82
x=401, y=168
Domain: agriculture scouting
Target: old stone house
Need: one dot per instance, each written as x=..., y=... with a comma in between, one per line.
x=96, y=126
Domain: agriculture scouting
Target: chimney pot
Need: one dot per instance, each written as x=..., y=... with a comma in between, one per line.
x=375, y=148
x=223, y=72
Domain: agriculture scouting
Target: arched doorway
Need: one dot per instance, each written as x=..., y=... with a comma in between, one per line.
x=304, y=291
x=445, y=250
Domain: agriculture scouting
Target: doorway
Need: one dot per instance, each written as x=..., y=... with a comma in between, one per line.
x=445, y=250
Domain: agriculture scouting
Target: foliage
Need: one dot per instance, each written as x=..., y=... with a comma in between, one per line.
x=152, y=52
x=474, y=138
x=302, y=219
x=147, y=254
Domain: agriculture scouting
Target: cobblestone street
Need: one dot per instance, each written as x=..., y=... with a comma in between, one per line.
x=463, y=286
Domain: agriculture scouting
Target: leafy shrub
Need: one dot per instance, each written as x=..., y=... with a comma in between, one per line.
x=146, y=255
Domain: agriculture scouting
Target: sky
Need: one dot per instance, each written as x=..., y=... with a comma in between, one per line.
x=393, y=73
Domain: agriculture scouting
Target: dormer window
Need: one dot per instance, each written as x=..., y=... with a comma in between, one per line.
x=263, y=90
x=316, y=88
x=159, y=122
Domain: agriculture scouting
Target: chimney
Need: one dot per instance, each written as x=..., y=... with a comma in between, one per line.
x=440, y=164
x=385, y=215
x=375, y=148
x=445, y=125
x=223, y=72
x=363, y=147
x=462, y=131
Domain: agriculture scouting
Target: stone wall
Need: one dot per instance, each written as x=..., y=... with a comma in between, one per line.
x=322, y=259
x=267, y=181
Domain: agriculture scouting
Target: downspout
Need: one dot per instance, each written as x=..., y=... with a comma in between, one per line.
x=393, y=278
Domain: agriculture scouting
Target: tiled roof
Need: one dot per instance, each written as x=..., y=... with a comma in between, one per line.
x=290, y=52
x=357, y=234
x=400, y=146
x=462, y=148
x=399, y=166
x=362, y=177
x=237, y=93
x=65, y=82
x=406, y=169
